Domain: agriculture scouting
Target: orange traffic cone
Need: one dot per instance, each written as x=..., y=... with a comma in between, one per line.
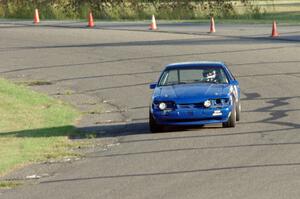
x=212, y=25
x=274, y=30
x=153, y=24
x=91, y=20
x=36, y=19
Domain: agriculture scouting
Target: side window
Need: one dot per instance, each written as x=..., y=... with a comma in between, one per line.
x=168, y=77
x=163, y=79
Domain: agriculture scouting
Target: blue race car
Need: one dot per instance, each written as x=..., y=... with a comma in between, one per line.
x=195, y=93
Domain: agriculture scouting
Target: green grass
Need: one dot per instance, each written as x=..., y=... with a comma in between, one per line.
x=9, y=184
x=282, y=17
x=33, y=127
x=291, y=18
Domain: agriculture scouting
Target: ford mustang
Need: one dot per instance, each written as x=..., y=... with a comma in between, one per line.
x=195, y=93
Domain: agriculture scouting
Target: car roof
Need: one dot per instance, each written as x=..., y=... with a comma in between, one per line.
x=195, y=64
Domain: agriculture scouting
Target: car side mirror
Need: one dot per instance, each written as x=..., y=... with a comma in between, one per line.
x=153, y=85
x=234, y=82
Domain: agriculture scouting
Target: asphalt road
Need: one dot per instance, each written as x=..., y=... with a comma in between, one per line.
x=108, y=68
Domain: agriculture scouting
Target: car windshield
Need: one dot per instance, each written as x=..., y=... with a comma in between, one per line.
x=196, y=75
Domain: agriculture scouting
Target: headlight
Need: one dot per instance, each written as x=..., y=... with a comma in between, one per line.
x=207, y=103
x=162, y=106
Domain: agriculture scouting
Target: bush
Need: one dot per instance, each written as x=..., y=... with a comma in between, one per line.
x=125, y=9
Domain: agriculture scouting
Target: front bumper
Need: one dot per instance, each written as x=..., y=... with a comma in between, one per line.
x=193, y=116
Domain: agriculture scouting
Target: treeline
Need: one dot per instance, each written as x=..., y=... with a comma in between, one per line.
x=126, y=9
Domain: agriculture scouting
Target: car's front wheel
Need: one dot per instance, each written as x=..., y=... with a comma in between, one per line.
x=232, y=119
x=154, y=127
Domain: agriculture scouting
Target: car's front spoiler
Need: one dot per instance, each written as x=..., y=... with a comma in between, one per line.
x=192, y=116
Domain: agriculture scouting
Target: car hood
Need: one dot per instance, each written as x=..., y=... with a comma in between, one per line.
x=192, y=92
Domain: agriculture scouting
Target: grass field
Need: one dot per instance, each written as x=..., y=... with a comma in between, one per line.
x=9, y=184
x=267, y=18
x=33, y=127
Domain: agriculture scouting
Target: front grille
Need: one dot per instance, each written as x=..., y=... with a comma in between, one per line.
x=190, y=106
x=215, y=103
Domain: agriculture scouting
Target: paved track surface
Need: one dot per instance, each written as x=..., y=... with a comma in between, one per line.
x=109, y=68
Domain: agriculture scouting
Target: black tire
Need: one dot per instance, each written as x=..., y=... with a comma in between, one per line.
x=238, y=111
x=232, y=119
x=153, y=126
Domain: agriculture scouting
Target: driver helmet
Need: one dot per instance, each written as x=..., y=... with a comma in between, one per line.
x=210, y=74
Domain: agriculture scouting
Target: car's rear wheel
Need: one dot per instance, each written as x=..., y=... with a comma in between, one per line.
x=232, y=119
x=238, y=111
x=154, y=127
